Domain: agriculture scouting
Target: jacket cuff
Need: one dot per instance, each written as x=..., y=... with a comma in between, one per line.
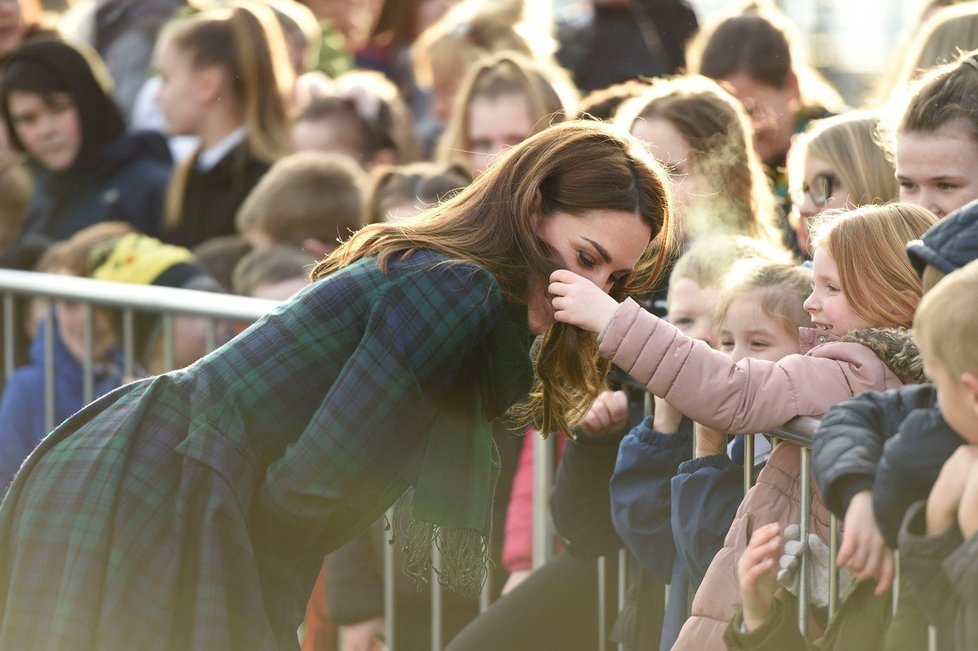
x=760, y=637
x=847, y=488
x=654, y=437
x=717, y=461
x=607, y=346
x=588, y=441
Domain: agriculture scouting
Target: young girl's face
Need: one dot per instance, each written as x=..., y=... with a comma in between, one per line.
x=691, y=309
x=821, y=189
x=938, y=170
x=495, y=124
x=749, y=331
x=49, y=127
x=827, y=304
x=181, y=94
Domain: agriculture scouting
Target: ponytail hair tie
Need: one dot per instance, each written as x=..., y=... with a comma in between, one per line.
x=971, y=62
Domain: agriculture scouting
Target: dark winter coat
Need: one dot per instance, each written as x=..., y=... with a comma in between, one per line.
x=192, y=510
x=943, y=574
x=124, y=179
x=849, y=442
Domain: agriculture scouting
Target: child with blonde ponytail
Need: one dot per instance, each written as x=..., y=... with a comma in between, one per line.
x=226, y=77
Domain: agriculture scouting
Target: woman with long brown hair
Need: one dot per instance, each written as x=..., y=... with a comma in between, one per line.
x=193, y=509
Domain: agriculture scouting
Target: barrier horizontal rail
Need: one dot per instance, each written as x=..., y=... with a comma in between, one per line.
x=133, y=296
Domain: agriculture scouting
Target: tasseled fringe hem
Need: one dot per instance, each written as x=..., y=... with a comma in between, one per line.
x=464, y=553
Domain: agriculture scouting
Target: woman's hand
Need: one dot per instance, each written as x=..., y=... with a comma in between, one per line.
x=757, y=572
x=580, y=302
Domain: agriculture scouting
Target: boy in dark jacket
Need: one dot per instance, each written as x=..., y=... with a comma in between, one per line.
x=848, y=455
x=939, y=537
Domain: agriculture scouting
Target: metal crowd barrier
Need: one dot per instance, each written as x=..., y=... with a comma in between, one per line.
x=169, y=303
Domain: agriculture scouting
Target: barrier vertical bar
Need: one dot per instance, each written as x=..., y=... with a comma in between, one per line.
x=833, y=565
x=389, y=578
x=210, y=336
x=622, y=582
x=436, y=600
x=9, y=354
x=128, y=346
x=602, y=603
x=88, y=361
x=49, y=327
x=805, y=462
x=748, y=462
x=169, y=348
x=543, y=479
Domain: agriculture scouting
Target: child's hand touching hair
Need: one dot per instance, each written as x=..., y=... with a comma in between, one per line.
x=579, y=302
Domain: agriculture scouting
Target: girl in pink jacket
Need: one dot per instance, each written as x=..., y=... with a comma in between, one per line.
x=864, y=295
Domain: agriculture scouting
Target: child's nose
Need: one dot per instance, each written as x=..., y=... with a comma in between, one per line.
x=811, y=303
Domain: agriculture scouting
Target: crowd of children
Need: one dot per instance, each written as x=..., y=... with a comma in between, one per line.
x=820, y=265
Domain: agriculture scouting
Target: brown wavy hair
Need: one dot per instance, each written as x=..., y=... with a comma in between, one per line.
x=575, y=167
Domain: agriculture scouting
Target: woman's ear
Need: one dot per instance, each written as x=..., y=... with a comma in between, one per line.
x=537, y=208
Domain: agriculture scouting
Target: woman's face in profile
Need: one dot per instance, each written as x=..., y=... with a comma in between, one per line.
x=602, y=245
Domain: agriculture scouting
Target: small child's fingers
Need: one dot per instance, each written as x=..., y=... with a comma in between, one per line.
x=558, y=289
x=563, y=276
x=600, y=415
x=887, y=573
x=858, y=557
x=617, y=402
x=847, y=550
x=765, y=533
x=758, y=570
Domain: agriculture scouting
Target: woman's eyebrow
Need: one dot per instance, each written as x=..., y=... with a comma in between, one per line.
x=600, y=249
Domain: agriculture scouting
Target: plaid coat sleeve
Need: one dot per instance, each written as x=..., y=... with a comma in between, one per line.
x=418, y=331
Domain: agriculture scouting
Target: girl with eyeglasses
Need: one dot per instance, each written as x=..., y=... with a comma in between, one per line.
x=837, y=163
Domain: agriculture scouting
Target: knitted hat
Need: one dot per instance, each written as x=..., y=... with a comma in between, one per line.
x=143, y=260
x=949, y=244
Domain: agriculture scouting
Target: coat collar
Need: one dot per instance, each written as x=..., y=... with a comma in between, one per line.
x=809, y=338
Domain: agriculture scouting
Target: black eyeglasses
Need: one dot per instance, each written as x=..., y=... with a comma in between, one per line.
x=820, y=191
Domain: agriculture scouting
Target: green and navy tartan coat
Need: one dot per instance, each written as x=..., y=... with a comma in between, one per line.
x=192, y=510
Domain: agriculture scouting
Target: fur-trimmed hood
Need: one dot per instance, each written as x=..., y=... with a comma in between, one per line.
x=896, y=348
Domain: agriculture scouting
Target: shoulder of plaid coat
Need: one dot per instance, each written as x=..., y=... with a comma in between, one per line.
x=150, y=518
